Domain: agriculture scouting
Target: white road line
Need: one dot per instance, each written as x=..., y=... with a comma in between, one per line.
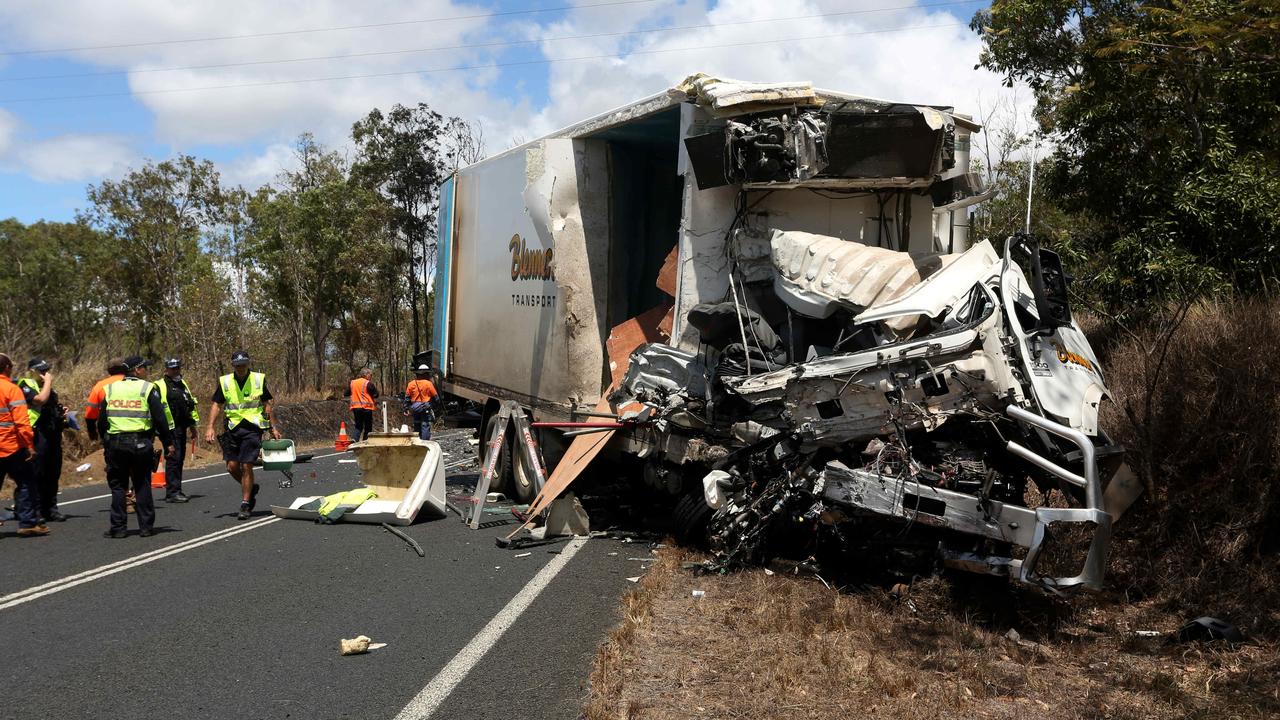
x=428, y=701
x=99, y=497
x=25, y=596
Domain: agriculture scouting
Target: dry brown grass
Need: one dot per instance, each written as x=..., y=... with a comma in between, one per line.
x=1206, y=539
x=762, y=646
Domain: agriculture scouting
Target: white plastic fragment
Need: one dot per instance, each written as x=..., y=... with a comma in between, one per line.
x=83, y=467
x=699, y=593
x=523, y=554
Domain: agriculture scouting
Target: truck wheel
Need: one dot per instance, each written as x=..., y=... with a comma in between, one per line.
x=522, y=487
x=689, y=520
x=502, y=473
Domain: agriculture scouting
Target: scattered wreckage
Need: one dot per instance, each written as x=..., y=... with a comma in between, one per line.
x=769, y=293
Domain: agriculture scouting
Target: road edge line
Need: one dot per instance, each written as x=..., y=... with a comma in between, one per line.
x=429, y=699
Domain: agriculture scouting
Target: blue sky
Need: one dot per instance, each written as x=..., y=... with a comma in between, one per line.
x=54, y=141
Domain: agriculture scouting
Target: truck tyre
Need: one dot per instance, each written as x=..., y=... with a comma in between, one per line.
x=689, y=520
x=522, y=485
x=502, y=472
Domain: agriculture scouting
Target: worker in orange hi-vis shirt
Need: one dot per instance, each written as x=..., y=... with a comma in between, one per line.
x=422, y=394
x=363, y=393
x=17, y=448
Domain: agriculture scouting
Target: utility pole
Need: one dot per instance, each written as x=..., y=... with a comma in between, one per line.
x=1031, y=183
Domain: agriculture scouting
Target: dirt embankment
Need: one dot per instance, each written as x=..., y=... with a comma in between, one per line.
x=770, y=646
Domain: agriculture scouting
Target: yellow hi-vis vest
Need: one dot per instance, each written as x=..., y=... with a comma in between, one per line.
x=33, y=412
x=244, y=406
x=163, y=386
x=126, y=406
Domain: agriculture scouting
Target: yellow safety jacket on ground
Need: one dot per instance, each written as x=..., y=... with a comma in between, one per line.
x=33, y=412
x=126, y=406
x=163, y=386
x=333, y=507
x=244, y=406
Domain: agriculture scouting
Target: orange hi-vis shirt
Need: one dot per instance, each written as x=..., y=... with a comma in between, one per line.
x=97, y=396
x=15, y=424
x=421, y=391
x=360, y=397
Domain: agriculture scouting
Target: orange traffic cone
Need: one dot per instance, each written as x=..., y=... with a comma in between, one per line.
x=157, y=477
x=343, y=441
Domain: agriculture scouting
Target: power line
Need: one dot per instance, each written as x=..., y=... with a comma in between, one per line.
x=475, y=46
x=545, y=61
x=279, y=33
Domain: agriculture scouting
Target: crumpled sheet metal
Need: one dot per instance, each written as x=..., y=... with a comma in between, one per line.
x=818, y=273
x=733, y=97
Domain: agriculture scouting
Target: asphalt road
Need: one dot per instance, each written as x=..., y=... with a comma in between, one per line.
x=216, y=618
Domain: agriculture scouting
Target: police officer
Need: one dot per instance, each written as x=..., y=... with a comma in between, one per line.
x=48, y=418
x=244, y=397
x=134, y=417
x=180, y=405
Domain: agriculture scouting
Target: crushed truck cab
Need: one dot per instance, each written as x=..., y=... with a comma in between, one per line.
x=784, y=278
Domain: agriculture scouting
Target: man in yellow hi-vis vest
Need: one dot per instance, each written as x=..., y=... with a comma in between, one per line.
x=244, y=398
x=134, y=416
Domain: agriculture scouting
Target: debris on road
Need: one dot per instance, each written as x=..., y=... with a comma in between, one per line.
x=400, y=534
x=358, y=645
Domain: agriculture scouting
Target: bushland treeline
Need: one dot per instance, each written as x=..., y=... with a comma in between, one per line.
x=317, y=274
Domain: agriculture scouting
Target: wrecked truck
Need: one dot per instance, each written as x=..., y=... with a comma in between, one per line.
x=776, y=290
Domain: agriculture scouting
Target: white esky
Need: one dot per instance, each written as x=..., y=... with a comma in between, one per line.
x=50, y=149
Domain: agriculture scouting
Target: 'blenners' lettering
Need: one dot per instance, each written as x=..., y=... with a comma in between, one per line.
x=529, y=263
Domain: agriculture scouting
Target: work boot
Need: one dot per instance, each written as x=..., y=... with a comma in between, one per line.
x=146, y=532
x=253, y=497
x=177, y=497
x=36, y=531
x=245, y=511
x=56, y=516
x=114, y=534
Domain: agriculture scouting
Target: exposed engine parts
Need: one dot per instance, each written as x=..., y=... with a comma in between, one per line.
x=862, y=398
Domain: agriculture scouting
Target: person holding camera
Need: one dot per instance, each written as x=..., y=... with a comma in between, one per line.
x=48, y=418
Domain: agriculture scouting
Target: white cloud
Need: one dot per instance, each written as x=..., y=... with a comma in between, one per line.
x=916, y=56
x=919, y=55
x=74, y=157
x=268, y=106
x=8, y=129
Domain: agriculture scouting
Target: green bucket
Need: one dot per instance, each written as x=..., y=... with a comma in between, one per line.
x=278, y=454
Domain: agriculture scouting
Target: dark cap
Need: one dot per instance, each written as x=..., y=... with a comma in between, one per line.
x=133, y=362
x=240, y=357
x=173, y=363
x=40, y=365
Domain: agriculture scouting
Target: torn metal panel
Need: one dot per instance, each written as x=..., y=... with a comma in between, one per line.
x=734, y=97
